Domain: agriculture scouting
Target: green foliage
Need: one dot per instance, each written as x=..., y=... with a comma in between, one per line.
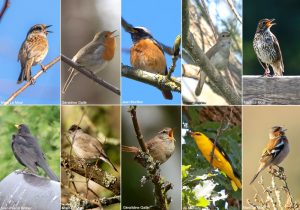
x=44, y=124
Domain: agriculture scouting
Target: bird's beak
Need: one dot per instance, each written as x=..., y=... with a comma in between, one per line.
x=17, y=126
x=132, y=31
x=270, y=23
x=190, y=133
x=171, y=134
x=48, y=27
x=113, y=33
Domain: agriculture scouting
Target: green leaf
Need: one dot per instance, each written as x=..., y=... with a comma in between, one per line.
x=202, y=202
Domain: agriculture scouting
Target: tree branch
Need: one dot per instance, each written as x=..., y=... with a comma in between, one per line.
x=28, y=83
x=230, y=3
x=156, y=80
x=90, y=75
x=4, y=8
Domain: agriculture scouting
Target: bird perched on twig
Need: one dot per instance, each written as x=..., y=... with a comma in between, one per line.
x=219, y=57
x=33, y=50
x=161, y=147
x=147, y=54
x=267, y=49
x=94, y=56
x=87, y=147
x=28, y=152
x=276, y=150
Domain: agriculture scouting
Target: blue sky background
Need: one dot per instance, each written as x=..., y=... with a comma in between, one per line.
x=19, y=17
x=163, y=19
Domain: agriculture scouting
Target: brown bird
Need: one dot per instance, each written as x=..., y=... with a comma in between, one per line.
x=267, y=48
x=219, y=57
x=276, y=150
x=161, y=147
x=94, y=56
x=87, y=147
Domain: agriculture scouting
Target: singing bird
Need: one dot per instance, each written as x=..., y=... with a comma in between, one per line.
x=28, y=152
x=94, y=56
x=276, y=150
x=220, y=160
x=147, y=54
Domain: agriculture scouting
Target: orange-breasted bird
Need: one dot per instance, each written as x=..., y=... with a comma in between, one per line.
x=276, y=150
x=161, y=147
x=33, y=50
x=94, y=56
x=220, y=160
x=147, y=54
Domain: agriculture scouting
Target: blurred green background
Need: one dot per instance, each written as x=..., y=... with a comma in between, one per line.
x=257, y=121
x=152, y=119
x=103, y=123
x=208, y=120
x=44, y=124
x=286, y=30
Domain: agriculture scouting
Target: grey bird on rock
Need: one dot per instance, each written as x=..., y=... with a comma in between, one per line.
x=219, y=57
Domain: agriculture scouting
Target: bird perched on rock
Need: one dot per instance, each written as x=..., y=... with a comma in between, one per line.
x=94, y=56
x=219, y=57
x=147, y=54
x=87, y=147
x=161, y=147
x=33, y=50
x=276, y=150
x=28, y=152
x=267, y=49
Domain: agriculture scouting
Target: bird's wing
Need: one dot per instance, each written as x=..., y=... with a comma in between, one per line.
x=277, y=48
x=274, y=147
x=24, y=152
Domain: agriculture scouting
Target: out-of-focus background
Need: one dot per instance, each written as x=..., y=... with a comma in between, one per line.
x=163, y=19
x=205, y=17
x=257, y=121
x=80, y=21
x=152, y=119
x=103, y=123
x=43, y=123
x=287, y=18
x=14, y=26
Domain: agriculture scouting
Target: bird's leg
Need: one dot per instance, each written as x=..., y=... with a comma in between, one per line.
x=266, y=68
x=32, y=81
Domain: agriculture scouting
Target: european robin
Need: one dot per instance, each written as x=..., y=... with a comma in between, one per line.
x=267, y=49
x=87, y=147
x=161, y=147
x=28, y=152
x=95, y=55
x=147, y=54
x=219, y=57
x=33, y=50
x=276, y=150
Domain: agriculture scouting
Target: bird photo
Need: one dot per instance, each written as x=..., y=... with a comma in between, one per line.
x=91, y=38
x=90, y=155
x=159, y=127
x=270, y=156
x=33, y=51
x=148, y=54
x=211, y=157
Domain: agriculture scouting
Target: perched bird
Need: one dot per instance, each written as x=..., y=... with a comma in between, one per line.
x=276, y=150
x=28, y=152
x=147, y=54
x=94, y=56
x=221, y=160
x=33, y=50
x=267, y=48
x=219, y=57
x=161, y=147
x=87, y=147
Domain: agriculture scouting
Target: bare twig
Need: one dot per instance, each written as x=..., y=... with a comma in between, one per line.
x=90, y=75
x=27, y=84
x=209, y=19
x=176, y=49
x=156, y=80
x=4, y=8
x=230, y=3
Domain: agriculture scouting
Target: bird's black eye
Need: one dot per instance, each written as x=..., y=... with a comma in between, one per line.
x=198, y=134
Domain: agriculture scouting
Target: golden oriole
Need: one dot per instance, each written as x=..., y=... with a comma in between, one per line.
x=221, y=160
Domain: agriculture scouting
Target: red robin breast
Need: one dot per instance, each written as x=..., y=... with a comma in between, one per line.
x=110, y=46
x=146, y=55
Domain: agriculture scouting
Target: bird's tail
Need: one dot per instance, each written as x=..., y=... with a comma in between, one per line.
x=49, y=172
x=260, y=169
x=236, y=183
x=167, y=94
x=129, y=149
x=105, y=159
x=25, y=73
x=200, y=84
x=69, y=80
x=278, y=68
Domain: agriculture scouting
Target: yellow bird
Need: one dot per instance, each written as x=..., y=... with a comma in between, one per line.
x=221, y=160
